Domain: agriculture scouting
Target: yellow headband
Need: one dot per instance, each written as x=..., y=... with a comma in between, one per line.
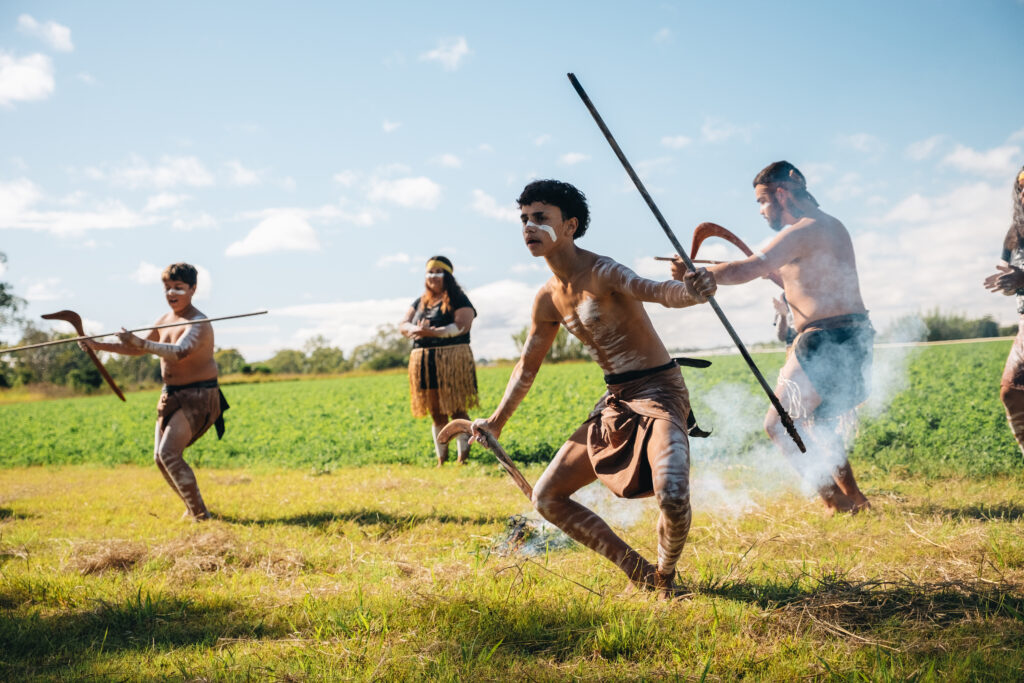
x=434, y=263
x=1020, y=179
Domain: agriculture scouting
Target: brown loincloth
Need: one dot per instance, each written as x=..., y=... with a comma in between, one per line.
x=836, y=353
x=1013, y=371
x=621, y=425
x=202, y=403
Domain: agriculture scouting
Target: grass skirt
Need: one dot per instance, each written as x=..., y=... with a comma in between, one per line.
x=455, y=375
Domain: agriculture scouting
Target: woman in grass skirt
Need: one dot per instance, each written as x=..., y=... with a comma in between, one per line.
x=1009, y=279
x=442, y=375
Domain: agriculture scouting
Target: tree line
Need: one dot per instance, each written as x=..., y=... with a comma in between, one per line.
x=66, y=365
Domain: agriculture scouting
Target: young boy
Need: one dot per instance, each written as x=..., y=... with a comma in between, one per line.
x=635, y=440
x=191, y=400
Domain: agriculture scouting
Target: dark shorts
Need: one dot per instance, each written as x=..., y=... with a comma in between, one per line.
x=836, y=354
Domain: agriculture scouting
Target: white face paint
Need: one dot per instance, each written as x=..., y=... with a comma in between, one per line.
x=435, y=275
x=176, y=292
x=546, y=228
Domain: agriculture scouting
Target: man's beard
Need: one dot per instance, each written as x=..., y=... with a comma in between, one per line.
x=775, y=222
x=775, y=215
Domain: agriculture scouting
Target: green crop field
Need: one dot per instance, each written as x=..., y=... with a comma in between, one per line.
x=340, y=553
x=947, y=420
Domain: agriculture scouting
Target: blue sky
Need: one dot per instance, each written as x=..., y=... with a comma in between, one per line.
x=309, y=157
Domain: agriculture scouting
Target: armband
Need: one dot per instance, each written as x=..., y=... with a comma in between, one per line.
x=450, y=330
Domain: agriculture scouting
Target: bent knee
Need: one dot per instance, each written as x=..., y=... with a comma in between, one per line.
x=1013, y=399
x=675, y=504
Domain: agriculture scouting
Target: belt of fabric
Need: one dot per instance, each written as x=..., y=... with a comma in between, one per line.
x=623, y=377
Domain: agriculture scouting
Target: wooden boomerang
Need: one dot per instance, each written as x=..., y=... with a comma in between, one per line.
x=76, y=322
x=466, y=427
x=706, y=230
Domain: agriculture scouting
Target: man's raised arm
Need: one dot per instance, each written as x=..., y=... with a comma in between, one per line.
x=785, y=248
x=694, y=288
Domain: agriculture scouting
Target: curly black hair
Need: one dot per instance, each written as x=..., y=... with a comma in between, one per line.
x=571, y=201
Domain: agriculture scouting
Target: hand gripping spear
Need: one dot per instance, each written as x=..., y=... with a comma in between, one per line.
x=787, y=421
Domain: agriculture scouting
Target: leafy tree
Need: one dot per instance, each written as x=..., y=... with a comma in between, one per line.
x=322, y=358
x=287, y=361
x=9, y=303
x=134, y=369
x=936, y=325
x=58, y=364
x=388, y=349
x=9, y=307
x=229, y=361
x=565, y=347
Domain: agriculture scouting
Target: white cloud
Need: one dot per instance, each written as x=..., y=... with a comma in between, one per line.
x=998, y=161
x=663, y=35
x=414, y=192
x=1018, y=135
x=3, y=268
x=19, y=201
x=346, y=178
x=203, y=220
x=164, y=200
x=25, y=79
x=485, y=205
x=86, y=78
x=572, y=158
x=448, y=52
x=449, y=161
x=532, y=267
x=282, y=230
x=848, y=186
x=47, y=289
x=922, y=149
x=390, y=259
x=16, y=197
x=345, y=323
x=675, y=141
x=865, y=143
x=53, y=34
x=170, y=172
x=717, y=130
x=816, y=172
x=952, y=239
x=541, y=140
x=390, y=126
x=146, y=274
x=241, y=176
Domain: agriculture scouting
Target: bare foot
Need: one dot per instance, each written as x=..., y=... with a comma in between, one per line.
x=835, y=500
x=665, y=585
x=641, y=573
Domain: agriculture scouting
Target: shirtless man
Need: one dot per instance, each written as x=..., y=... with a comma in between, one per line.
x=635, y=439
x=828, y=373
x=191, y=401
x=1009, y=279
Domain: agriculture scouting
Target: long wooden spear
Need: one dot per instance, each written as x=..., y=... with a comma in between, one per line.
x=138, y=329
x=787, y=421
